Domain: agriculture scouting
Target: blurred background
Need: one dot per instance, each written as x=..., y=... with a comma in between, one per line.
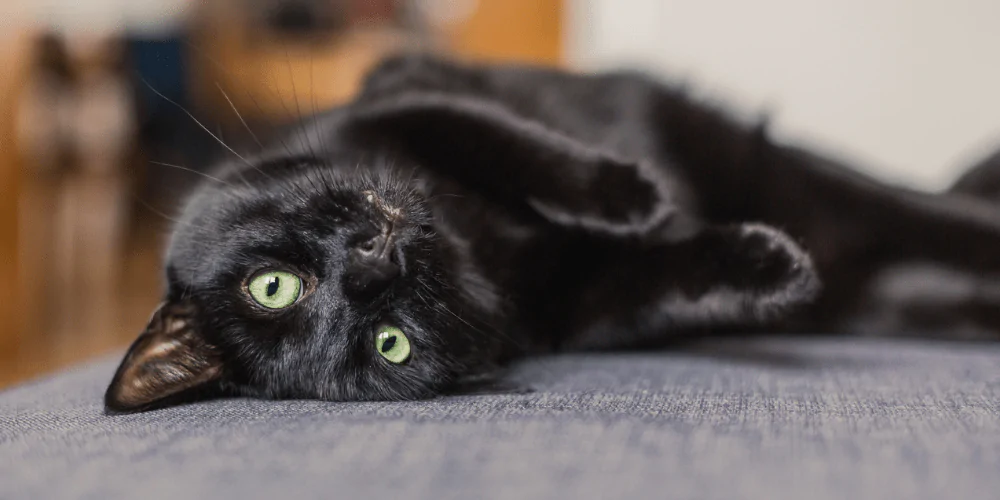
x=98, y=100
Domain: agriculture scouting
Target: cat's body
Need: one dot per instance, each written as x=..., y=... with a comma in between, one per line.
x=491, y=212
x=928, y=298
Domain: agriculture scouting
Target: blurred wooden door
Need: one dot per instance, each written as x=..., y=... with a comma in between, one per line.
x=13, y=58
x=60, y=219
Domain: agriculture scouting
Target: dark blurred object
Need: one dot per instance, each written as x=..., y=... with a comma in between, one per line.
x=43, y=137
x=323, y=20
x=167, y=133
x=301, y=18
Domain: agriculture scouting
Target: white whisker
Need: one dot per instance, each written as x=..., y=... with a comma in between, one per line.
x=203, y=127
x=238, y=115
x=193, y=171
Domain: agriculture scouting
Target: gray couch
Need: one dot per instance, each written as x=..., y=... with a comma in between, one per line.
x=768, y=419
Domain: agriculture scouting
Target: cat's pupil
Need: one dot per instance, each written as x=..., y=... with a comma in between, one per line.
x=272, y=287
x=388, y=344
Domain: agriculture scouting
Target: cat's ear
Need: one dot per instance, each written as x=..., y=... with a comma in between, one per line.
x=169, y=358
x=486, y=146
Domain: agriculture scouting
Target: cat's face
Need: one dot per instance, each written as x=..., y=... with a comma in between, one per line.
x=307, y=281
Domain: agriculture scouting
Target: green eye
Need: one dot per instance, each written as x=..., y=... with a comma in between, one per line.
x=275, y=289
x=392, y=344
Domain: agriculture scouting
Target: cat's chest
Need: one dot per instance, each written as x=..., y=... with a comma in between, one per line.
x=513, y=249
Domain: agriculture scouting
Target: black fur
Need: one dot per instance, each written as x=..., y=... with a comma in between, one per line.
x=529, y=210
x=937, y=299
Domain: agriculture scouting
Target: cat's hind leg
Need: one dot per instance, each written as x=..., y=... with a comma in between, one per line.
x=746, y=275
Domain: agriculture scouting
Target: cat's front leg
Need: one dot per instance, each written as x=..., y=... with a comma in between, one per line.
x=517, y=161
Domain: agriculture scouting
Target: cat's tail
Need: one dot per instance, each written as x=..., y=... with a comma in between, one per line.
x=843, y=214
x=982, y=180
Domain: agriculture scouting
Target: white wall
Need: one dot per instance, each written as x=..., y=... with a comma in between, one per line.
x=98, y=16
x=910, y=88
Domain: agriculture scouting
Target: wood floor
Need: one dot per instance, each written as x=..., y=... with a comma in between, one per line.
x=96, y=324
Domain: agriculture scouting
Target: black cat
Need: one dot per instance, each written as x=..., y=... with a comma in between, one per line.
x=454, y=217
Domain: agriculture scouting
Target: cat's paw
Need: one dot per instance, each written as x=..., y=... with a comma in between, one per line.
x=778, y=271
x=621, y=199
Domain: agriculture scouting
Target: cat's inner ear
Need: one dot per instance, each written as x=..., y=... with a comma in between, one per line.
x=493, y=149
x=169, y=358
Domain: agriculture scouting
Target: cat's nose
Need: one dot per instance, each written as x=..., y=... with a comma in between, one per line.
x=372, y=265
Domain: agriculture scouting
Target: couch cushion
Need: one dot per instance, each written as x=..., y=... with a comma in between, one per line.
x=771, y=418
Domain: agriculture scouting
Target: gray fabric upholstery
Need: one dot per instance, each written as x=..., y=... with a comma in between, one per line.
x=766, y=419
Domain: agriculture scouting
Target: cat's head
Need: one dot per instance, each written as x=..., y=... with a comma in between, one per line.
x=306, y=279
